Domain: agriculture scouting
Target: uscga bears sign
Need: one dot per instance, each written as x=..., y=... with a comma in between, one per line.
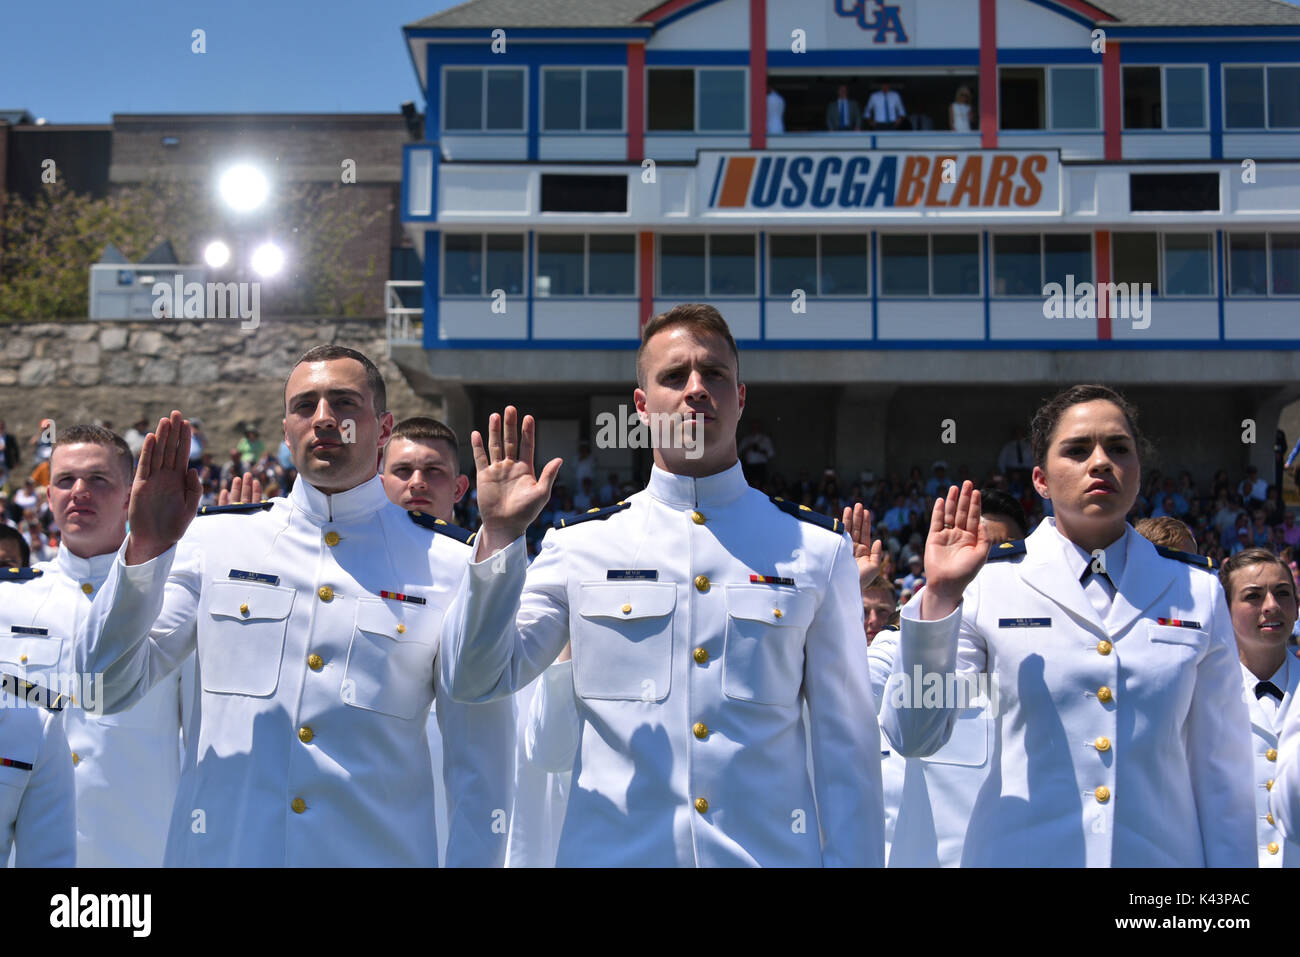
x=915, y=181
x=883, y=21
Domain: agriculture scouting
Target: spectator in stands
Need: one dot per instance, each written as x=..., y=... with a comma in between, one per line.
x=610, y=493
x=14, y=550
x=1242, y=522
x=1004, y=518
x=251, y=448
x=1253, y=489
x=938, y=483
x=1260, y=530
x=959, y=111
x=134, y=436
x=1273, y=507
x=1243, y=541
x=1290, y=530
x=1167, y=531
x=10, y=454
x=775, y=111
x=885, y=109
x=915, y=576
x=198, y=442
x=25, y=498
x=43, y=442
x=756, y=451
x=843, y=114
x=585, y=497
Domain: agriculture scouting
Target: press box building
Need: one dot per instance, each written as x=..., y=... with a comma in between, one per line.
x=589, y=163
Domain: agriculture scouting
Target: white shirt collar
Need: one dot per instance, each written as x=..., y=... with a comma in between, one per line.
x=94, y=569
x=350, y=506
x=683, y=491
x=1116, y=554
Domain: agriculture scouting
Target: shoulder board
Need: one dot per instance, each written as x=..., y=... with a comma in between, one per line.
x=31, y=693
x=805, y=514
x=248, y=509
x=1012, y=549
x=19, y=574
x=593, y=513
x=1199, y=561
x=442, y=527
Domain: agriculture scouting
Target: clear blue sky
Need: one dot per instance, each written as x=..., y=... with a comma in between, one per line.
x=81, y=61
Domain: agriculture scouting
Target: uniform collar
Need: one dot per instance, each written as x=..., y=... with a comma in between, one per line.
x=94, y=569
x=683, y=491
x=1116, y=554
x=353, y=505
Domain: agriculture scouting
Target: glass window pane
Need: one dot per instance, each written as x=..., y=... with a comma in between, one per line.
x=505, y=264
x=722, y=100
x=1185, y=97
x=561, y=99
x=844, y=265
x=463, y=101
x=1142, y=97
x=612, y=265
x=792, y=265
x=1243, y=92
x=604, y=99
x=1135, y=258
x=670, y=102
x=1017, y=268
x=1075, y=98
x=904, y=265
x=1065, y=256
x=731, y=266
x=956, y=265
x=1283, y=97
x=462, y=265
x=505, y=99
x=681, y=266
x=1020, y=92
x=1189, y=264
x=559, y=266
x=1286, y=263
x=1247, y=265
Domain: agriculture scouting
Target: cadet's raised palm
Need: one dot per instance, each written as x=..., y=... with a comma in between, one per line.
x=955, y=550
x=510, y=495
x=166, y=491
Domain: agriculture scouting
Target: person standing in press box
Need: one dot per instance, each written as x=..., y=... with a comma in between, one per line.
x=703, y=615
x=316, y=618
x=1121, y=739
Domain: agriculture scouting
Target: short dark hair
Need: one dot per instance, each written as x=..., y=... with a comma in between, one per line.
x=423, y=428
x=1049, y=415
x=97, y=435
x=12, y=534
x=1164, y=530
x=374, y=379
x=700, y=318
x=1245, y=557
x=997, y=502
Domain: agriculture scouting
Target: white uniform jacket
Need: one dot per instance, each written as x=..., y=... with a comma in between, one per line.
x=316, y=619
x=928, y=800
x=38, y=816
x=1266, y=724
x=1119, y=743
x=702, y=616
x=126, y=765
x=544, y=755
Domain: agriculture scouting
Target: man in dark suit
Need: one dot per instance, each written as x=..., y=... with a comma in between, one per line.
x=843, y=113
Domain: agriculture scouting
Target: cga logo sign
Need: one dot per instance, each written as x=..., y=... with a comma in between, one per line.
x=883, y=20
x=998, y=180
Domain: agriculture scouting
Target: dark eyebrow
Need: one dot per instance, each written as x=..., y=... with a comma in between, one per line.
x=1113, y=437
x=330, y=393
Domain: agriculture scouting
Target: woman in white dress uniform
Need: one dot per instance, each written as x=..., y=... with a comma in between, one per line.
x=1121, y=737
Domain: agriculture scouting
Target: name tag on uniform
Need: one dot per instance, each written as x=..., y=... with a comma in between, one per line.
x=632, y=575
x=28, y=630
x=1179, y=623
x=243, y=576
x=770, y=580
x=1024, y=623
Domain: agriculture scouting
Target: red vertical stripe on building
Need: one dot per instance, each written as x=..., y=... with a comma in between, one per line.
x=647, y=252
x=757, y=74
x=1112, y=102
x=989, y=74
x=1103, y=275
x=635, y=102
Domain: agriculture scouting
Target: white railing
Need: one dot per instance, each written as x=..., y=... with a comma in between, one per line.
x=405, y=324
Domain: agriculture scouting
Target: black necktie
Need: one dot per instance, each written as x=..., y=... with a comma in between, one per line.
x=1267, y=687
x=1083, y=579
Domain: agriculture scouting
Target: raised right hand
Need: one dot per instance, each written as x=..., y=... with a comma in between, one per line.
x=955, y=551
x=510, y=495
x=166, y=492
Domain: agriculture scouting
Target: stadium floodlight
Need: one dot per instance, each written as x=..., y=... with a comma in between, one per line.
x=243, y=187
x=216, y=254
x=268, y=259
